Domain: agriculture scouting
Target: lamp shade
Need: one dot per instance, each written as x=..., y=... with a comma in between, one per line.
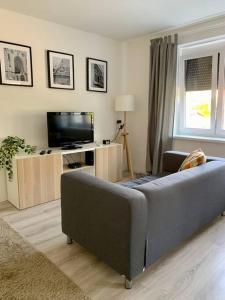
x=124, y=103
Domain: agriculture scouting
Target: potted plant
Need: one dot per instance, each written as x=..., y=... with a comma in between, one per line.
x=11, y=146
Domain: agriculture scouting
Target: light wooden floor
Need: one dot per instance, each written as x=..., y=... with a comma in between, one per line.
x=194, y=271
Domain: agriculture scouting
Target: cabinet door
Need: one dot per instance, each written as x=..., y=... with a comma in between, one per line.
x=39, y=179
x=109, y=162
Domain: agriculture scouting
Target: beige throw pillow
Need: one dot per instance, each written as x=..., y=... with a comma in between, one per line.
x=195, y=158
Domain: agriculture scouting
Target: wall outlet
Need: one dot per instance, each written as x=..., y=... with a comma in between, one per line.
x=118, y=122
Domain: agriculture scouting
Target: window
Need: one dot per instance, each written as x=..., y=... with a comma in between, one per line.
x=200, y=98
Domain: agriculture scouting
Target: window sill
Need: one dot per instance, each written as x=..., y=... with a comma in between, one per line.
x=199, y=139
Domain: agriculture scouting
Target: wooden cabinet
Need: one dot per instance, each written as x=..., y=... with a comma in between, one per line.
x=36, y=180
x=109, y=162
x=37, y=177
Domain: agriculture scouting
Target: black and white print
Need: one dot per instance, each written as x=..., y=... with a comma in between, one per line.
x=60, y=70
x=96, y=75
x=16, y=64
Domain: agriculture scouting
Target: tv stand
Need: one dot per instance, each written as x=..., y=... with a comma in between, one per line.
x=71, y=147
x=36, y=178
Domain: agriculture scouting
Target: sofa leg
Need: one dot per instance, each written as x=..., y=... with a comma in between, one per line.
x=128, y=283
x=69, y=240
x=223, y=214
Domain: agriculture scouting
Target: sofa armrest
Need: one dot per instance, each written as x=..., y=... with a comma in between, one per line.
x=107, y=219
x=172, y=160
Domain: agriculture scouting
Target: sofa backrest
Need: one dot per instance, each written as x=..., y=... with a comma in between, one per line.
x=180, y=203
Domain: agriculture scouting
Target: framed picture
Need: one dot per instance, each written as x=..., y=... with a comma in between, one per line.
x=96, y=75
x=60, y=70
x=16, y=64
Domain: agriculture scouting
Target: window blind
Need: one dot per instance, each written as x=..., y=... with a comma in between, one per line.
x=198, y=74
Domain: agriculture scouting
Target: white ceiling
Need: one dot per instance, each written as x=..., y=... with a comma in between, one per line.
x=119, y=19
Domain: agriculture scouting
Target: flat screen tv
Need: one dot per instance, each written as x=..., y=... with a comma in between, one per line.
x=70, y=128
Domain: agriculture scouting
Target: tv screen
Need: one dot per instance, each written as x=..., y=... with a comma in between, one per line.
x=68, y=128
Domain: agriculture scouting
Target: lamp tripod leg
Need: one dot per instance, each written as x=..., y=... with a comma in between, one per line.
x=124, y=142
x=129, y=163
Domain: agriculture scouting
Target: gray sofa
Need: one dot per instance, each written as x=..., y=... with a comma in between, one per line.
x=130, y=228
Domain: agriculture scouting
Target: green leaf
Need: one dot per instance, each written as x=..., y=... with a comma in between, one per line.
x=9, y=147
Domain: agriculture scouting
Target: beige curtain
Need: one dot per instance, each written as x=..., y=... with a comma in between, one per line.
x=162, y=92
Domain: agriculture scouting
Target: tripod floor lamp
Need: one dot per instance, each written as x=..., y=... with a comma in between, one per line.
x=125, y=103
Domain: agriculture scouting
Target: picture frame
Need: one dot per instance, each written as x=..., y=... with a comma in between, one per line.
x=16, y=64
x=97, y=75
x=60, y=70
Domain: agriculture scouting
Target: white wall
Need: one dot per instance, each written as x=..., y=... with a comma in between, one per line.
x=136, y=78
x=136, y=81
x=23, y=109
x=209, y=147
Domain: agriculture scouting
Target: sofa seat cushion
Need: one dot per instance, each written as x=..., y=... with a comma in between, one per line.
x=138, y=181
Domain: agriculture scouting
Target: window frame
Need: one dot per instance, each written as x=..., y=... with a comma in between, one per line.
x=220, y=132
x=218, y=89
